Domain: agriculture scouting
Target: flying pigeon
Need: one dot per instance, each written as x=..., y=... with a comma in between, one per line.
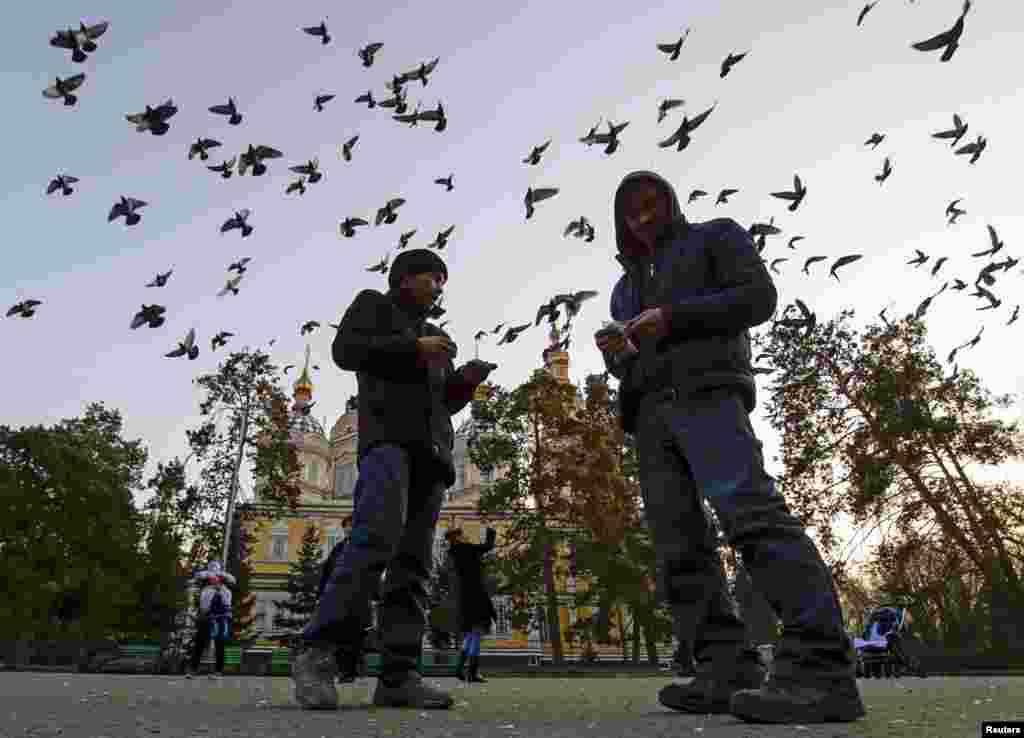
x=695, y=195
x=938, y=265
x=387, y=213
x=796, y=196
x=368, y=99
x=513, y=333
x=681, y=138
x=974, y=149
x=764, y=229
x=321, y=31
x=240, y=265
x=308, y=327
x=151, y=315
x=319, y=100
x=62, y=88
x=864, y=11
x=436, y=116
x=299, y=184
x=366, y=53
x=953, y=212
x=238, y=220
x=776, y=262
x=947, y=40
x=673, y=49
x=381, y=266
x=346, y=148
x=411, y=118
x=161, y=279
x=590, y=138
x=254, y=157
x=187, y=347
x=993, y=238
x=578, y=228
x=446, y=182
x=812, y=260
x=63, y=183
x=574, y=301
x=920, y=259
x=153, y=120
x=666, y=105
x=442, y=239
x=535, y=154
x=534, y=196
x=80, y=41
x=403, y=240
x=421, y=72
x=25, y=309
x=723, y=196
x=956, y=132
x=886, y=171
x=221, y=339
x=348, y=226
x=311, y=169
x=200, y=147
x=793, y=241
x=729, y=62
x=396, y=101
x=225, y=168
x=876, y=138
x=611, y=139
x=126, y=207
x=231, y=286
x=230, y=110
x=843, y=261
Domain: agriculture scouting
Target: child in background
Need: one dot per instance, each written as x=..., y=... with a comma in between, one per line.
x=214, y=622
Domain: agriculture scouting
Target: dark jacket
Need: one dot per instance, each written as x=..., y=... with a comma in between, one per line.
x=713, y=286
x=399, y=402
x=468, y=588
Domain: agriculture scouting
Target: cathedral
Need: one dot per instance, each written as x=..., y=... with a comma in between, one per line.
x=328, y=478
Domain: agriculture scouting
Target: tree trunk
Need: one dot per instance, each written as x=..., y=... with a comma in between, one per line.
x=622, y=633
x=650, y=642
x=554, y=621
x=636, y=636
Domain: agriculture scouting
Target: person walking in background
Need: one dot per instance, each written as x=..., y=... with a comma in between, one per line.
x=214, y=621
x=475, y=611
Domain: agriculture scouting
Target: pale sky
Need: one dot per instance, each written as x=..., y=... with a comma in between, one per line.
x=811, y=90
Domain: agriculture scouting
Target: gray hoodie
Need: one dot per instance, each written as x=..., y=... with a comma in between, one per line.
x=713, y=287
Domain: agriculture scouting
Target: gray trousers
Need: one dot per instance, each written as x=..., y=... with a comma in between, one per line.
x=702, y=446
x=398, y=499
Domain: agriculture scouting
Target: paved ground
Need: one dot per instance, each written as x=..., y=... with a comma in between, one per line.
x=116, y=706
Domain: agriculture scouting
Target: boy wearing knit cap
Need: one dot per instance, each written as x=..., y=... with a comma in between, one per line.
x=408, y=391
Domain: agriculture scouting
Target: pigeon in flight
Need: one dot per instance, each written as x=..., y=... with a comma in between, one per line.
x=436, y=116
x=381, y=266
x=221, y=339
x=63, y=183
x=254, y=157
x=681, y=138
x=574, y=302
x=993, y=238
x=238, y=220
x=1014, y=315
x=81, y=41
x=876, y=138
x=226, y=168
x=411, y=118
x=764, y=229
x=230, y=110
x=442, y=239
x=346, y=148
x=728, y=63
x=231, y=286
x=25, y=309
x=288, y=367
x=793, y=240
x=920, y=259
x=611, y=139
x=534, y=196
x=479, y=335
x=367, y=98
x=186, y=348
x=241, y=265
x=151, y=315
x=126, y=207
x=62, y=88
x=403, y=240
x=535, y=154
x=321, y=31
x=938, y=264
x=953, y=212
x=160, y=280
x=513, y=333
x=796, y=196
x=974, y=149
x=591, y=138
x=421, y=72
x=311, y=169
x=843, y=261
x=812, y=260
x=396, y=101
x=673, y=49
x=886, y=171
x=695, y=195
x=319, y=100
x=348, y=226
x=298, y=185
x=308, y=327
x=200, y=147
x=723, y=196
x=387, y=213
x=776, y=262
x=666, y=105
x=956, y=132
x=947, y=40
x=577, y=228
x=366, y=53
x=153, y=120
x=446, y=182
x=864, y=11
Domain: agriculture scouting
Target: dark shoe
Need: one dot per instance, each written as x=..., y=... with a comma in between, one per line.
x=460, y=667
x=474, y=670
x=351, y=664
x=313, y=672
x=802, y=701
x=715, y=682
x=409, y=690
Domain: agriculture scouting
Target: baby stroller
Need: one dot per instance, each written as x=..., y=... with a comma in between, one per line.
x=881, y=652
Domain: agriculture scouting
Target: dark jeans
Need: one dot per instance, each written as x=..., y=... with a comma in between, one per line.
x=200, y=643
x=702, y=446
x=398, y=498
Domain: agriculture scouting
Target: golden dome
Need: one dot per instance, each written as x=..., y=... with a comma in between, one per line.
x=304, y=383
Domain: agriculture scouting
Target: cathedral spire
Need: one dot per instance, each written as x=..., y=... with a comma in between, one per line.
x=304, y=385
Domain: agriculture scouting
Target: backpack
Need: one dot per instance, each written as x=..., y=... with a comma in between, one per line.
x=218, y=608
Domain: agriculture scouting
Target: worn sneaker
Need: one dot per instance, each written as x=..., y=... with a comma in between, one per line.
x=313, y=673
x=715, y=683
x=411, y=691
x=190, y=674
x=790, y=699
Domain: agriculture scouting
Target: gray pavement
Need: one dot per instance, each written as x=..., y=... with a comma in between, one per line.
x=120, y=706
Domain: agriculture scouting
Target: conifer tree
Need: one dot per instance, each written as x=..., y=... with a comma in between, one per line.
x=303, y=580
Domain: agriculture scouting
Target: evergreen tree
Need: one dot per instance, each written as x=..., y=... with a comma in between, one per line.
x=303, y=580
x=243, y=601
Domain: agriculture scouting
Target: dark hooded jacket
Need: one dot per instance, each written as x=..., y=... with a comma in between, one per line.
x=399, y=402
x=468, y=588
x=713, y=286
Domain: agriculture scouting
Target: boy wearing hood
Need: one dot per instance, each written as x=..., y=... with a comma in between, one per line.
x=690, y=294
x=214, y=621
x=408, y=391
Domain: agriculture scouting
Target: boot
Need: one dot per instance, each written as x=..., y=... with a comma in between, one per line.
x=474, y=670
x=409, y=690
x=722, y=670
x=807, y=685
x=313, y=672
x=460, y=666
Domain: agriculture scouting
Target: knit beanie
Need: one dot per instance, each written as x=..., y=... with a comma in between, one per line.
x=415, y=262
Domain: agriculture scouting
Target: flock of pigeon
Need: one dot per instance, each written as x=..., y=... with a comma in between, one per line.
x=155, y=120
